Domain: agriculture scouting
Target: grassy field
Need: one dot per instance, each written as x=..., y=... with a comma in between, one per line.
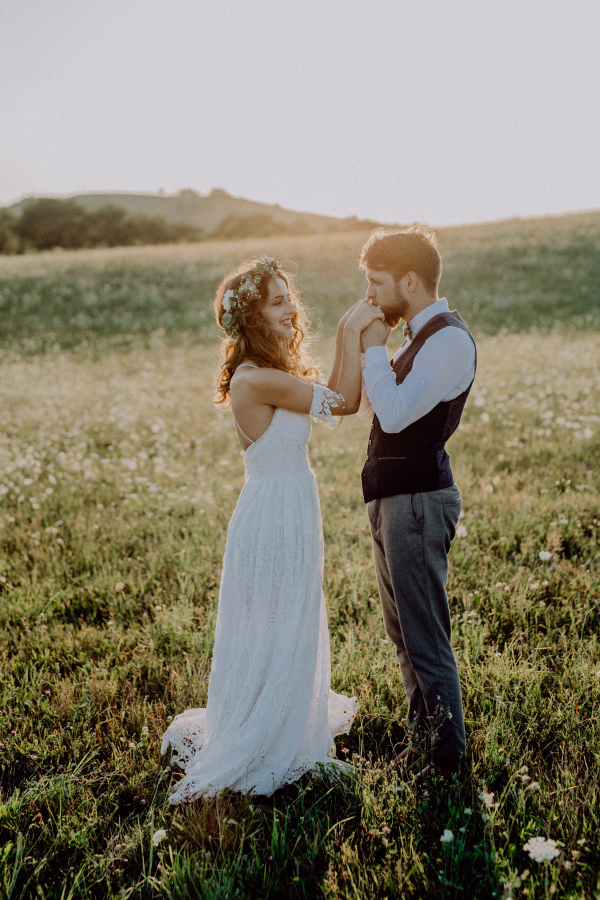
x=117, y=480
x=509, y=276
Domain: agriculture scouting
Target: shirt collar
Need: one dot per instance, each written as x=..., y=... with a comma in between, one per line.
x=422, y=318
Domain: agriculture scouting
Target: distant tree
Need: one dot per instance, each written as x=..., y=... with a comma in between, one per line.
x=236, y=227
x=109, y=227
x=48, y=223
x=9, y=238
x=158, y=230
x=187, y=233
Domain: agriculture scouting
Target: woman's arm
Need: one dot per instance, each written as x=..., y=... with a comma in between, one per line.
x=349, y=377
x=339, y=348
x=271, y=387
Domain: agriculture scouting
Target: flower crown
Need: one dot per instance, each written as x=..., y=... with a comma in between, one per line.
x=237, y=301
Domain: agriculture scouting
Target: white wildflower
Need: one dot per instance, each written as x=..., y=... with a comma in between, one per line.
x=545, y=555
x=158, y=836
x=488, y=799
x=541, y=850
x=447, y=836
x=145, y=729
x=461, y=531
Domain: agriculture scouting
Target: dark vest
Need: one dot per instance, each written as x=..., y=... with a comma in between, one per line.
x=415, y=459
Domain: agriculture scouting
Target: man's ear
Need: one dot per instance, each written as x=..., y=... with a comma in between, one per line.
x=412, y=280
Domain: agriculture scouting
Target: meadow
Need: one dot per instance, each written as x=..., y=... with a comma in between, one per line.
x=117, y=480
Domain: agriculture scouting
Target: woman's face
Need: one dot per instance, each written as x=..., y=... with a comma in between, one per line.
x=278, y=309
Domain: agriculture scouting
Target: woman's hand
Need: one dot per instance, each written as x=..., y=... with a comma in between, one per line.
x=347, y=315
x=362, y=315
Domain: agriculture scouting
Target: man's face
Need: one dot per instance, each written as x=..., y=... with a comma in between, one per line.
x=384, y=292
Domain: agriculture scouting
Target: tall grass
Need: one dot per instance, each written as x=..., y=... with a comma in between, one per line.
x=506, y=276
x=117, y=480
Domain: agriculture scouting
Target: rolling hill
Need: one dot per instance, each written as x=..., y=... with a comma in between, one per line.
x=215, y=211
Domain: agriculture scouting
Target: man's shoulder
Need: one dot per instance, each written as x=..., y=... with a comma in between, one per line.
x=452, y=341
x=453, y=332
x=445, y=319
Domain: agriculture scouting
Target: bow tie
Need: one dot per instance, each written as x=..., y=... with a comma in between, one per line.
x=407, y=332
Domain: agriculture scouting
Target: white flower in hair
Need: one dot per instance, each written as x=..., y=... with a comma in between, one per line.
x=238, y=300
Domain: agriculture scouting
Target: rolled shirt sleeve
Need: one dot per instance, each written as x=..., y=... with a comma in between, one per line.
x=442, y=369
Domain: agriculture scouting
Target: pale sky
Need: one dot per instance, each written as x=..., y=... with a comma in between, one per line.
x=437, y=111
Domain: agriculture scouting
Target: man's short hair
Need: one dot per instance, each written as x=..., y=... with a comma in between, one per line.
x=398, y=252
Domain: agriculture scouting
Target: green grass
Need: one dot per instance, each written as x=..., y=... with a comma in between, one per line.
x=505, y=276
x=114, y=506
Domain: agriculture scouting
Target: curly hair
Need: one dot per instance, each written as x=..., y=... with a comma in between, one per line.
x=398, y=252
x=255, y=340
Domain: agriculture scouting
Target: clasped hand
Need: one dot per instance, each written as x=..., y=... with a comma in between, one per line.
x=369, y=320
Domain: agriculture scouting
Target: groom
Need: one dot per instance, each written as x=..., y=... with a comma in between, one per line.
x=413, y=503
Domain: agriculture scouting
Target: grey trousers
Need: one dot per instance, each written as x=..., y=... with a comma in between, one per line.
x=411, y=535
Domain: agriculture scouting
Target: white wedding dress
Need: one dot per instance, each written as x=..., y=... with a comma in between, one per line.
x=271, y=715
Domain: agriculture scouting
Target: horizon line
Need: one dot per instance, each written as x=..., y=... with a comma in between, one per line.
x=165, y=195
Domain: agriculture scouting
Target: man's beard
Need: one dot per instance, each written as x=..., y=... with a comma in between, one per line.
x=393, y=316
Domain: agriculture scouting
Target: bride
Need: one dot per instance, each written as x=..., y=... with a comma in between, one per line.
x=271, y=715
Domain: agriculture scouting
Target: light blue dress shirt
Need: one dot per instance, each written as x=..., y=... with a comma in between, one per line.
x=442, y=369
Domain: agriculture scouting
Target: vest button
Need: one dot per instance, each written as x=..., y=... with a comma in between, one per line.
x=370, y=442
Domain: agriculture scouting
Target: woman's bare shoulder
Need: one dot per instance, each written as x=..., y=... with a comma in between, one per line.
x=253, y=382
x=248, y=370
x=247, y=379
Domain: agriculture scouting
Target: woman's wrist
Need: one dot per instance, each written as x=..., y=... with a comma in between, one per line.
x=351, y=329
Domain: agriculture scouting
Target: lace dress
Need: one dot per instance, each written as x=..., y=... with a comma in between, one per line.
x=271, y=715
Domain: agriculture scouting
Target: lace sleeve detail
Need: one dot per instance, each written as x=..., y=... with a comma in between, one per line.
x=322, y=402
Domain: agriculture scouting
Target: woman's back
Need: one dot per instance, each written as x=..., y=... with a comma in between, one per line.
x=282, y=450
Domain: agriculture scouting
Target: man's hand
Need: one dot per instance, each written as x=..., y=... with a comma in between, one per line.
x=362, y=315
x=375, y=334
